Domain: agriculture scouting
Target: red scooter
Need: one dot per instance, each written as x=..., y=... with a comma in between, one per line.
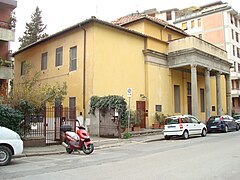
x=78, y=140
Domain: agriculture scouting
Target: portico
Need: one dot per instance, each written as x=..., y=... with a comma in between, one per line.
x=200, y=58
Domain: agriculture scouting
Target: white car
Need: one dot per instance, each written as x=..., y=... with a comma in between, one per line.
x=183, y=125
x=10, y=144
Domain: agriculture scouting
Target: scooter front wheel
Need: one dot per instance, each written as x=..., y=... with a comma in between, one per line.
x=89, y=149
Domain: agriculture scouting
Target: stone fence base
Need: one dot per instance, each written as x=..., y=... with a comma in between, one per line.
x=34, y=141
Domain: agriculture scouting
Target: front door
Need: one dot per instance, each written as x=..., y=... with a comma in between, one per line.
x=189, y=103
x=141, y=108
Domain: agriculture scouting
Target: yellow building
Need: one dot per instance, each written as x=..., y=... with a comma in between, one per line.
x=168, y=71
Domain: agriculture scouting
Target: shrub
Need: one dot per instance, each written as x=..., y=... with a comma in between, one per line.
x=127, y=135
x=10, y=118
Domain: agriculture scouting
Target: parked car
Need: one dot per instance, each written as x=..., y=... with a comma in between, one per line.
x=222, y=123
x=10, y=144
x=237, y=118
x=183, y=125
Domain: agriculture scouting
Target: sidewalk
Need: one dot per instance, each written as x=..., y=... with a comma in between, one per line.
x=145, y=135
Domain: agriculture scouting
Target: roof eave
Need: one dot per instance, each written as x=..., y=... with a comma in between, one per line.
x=74, y=27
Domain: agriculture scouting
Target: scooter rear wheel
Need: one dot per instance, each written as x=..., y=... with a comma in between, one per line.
x=69, y=150
x=89, y=149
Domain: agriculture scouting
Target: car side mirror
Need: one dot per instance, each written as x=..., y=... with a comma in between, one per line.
x=199, y=122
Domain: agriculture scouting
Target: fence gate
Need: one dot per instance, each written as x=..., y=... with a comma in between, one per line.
x=46, y=124
x=54, y=118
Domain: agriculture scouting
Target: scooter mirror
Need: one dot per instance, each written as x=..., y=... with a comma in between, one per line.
x=77, y=123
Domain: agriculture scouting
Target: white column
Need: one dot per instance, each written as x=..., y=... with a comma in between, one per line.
x=207, y=90
x=194, y=90
x=219, y=95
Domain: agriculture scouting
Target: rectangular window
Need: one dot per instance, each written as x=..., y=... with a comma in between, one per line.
x=59, y=54
x=233, y=102
x=236, y=37
x=189, y=89
x=184, y=26
x=192, y=24
x=202, y=100
x=44, y=61
x=237, y=85
x=199, y=22
x=169, y=37
x=235, y=21
x=233, y=50
x=238, y=101
x=158, y=108
x=23, y=67
x=231, y=18
x=169, y=15
x=73, y=58
x=177, y=108
x=238, y=52
x=72, y=107
x=232, y=34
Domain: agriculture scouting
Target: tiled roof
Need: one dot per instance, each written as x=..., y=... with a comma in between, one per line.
x=138, y=16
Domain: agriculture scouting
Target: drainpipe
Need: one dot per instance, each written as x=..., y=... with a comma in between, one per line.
x=84, y=76
x=162, y=31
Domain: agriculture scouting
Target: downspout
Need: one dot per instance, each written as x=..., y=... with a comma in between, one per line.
x=162, y=31
x=84, y=75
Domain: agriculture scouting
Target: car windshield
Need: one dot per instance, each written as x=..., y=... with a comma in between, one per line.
x=172, y=121
x=236, y=117
x=214, y=119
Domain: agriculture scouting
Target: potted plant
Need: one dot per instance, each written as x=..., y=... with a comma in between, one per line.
x=136, y=117
x=159, y=121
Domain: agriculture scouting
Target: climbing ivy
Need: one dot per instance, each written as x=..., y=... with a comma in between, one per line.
x=109, y=102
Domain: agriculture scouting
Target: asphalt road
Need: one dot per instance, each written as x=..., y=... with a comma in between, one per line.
x=216, y=156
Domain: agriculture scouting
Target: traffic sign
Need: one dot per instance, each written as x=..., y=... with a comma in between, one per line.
x=129, y=92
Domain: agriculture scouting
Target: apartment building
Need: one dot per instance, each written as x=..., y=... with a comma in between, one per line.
x=7, y=34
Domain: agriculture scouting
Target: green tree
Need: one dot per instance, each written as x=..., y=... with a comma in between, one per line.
x=30, y=93
x=34, y=30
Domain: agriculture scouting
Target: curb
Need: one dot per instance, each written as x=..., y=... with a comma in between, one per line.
x=128, y=141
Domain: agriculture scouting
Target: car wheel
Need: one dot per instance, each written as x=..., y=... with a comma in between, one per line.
x=226, y=129
x=237, y=127
x=167, y=137
x=185, y=134
x=5, y=155
x=204, y=132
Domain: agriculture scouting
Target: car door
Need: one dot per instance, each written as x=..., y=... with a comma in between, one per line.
x=227, y=121
x=196, y=126
x=232, y=121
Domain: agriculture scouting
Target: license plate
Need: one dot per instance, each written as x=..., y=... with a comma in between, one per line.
x=171, y=126
x=213, y=126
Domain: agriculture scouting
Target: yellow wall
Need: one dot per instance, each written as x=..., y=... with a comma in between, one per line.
x=118, y=63
x=57, y=74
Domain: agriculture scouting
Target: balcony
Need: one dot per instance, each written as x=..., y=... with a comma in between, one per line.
x=235, y=75
x=11, y=3
x=192, y=50
x=6, y=34
x=235, y=93
x=6, y=69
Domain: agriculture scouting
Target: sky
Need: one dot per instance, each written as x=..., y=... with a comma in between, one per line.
x=60, y=14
